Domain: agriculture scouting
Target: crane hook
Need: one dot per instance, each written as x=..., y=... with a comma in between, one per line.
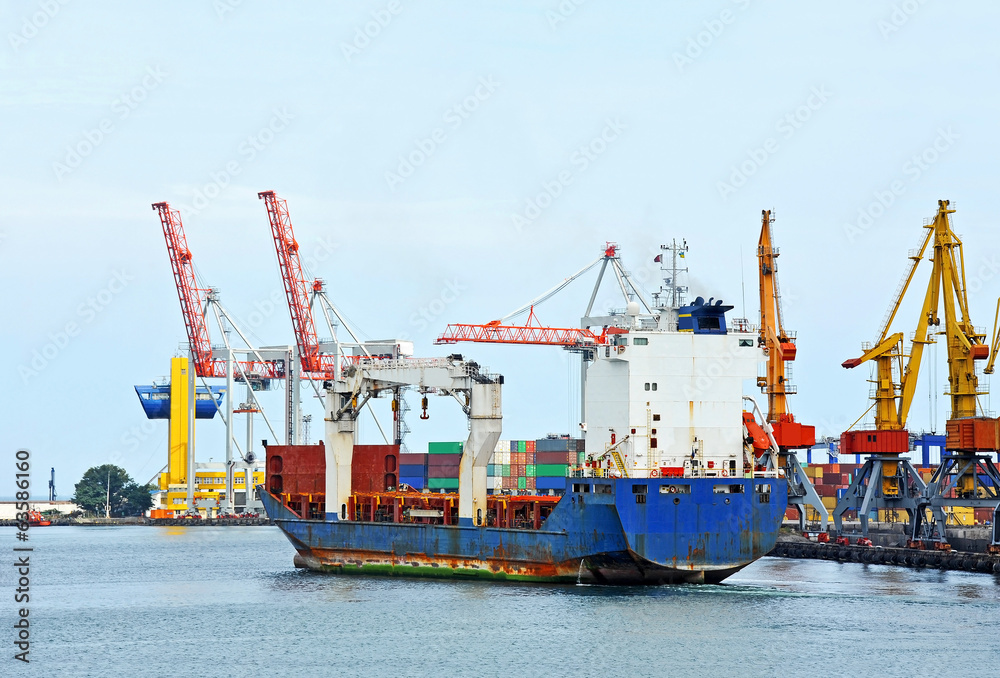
x=423, y=406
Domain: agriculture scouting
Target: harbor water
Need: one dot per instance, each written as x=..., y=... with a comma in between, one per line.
x=226, y=601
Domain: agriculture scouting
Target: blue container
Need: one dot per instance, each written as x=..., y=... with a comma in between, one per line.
x=412, y=470
x=550, y=483
x=417, y=482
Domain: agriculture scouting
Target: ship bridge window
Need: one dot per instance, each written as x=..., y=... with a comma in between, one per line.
x=728, y=488
x=656, y=417
x=581, y=487
x=640, y=341
x=640, y=489
x=746, y=342
x=602, y=489
x=675, y=489
x=650, y=386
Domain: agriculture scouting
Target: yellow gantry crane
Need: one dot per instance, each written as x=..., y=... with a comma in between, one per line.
x=966, y=476
x=779, y=345
x=888, y=480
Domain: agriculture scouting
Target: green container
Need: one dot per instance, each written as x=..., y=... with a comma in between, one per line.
x=530, y=470
x=444, y=448
x=522, y=445
x=522, y=483
x=442, y=483
x=550, y=470
x=506, y=470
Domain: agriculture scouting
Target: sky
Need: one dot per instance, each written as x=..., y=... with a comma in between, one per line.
x=448, y=161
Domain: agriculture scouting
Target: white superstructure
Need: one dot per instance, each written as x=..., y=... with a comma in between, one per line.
x=666, y=396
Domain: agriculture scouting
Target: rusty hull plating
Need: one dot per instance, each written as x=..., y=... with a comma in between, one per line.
x=602, y=530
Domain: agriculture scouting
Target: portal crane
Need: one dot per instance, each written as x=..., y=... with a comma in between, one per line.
x=888, y=481
x=262, y=367
x=195, y=302
x=966, y=476
x=779, y=345
x=317, y=361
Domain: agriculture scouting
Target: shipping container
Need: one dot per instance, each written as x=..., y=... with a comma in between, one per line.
x=442, y=483
x=416, y=482
x=550, y=483
x=411, y=459
x=412, y=470
x=444, y=448
x=449, y=471
x=522, y=483
x=529, y=470
x=550, y=470
x=554, y=457
x=443, y=460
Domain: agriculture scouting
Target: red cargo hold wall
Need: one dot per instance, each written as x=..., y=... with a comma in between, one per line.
x=375, y=468
x=296, y=469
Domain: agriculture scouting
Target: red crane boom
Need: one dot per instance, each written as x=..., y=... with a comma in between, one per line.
x=296, y=286
x=191, y=296
x=193, y=299
x=532, y=334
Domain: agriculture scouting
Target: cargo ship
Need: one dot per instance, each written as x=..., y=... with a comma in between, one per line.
x=668, y=489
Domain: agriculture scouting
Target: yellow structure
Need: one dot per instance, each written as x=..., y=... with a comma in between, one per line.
x=178, y=445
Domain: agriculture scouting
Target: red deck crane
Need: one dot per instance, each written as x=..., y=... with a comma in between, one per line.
x=532, y=332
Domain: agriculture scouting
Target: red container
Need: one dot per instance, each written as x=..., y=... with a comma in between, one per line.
x=554, y=457
x=980, y=434
x=442, y=471
x=442, y=459
x=874, y=442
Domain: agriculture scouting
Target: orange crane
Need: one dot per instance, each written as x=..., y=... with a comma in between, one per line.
x=779, y=346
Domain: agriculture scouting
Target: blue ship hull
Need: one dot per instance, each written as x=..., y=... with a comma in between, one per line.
x=634, y=532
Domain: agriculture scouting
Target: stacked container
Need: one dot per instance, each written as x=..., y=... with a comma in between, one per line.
x=413, y=470
x=527, y=466
x=443, y=461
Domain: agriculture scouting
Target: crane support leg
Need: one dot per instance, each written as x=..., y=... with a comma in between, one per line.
x=885, y=482
x=802, y=493
x=339, y=455
x=963, y=479
x=485, y=421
